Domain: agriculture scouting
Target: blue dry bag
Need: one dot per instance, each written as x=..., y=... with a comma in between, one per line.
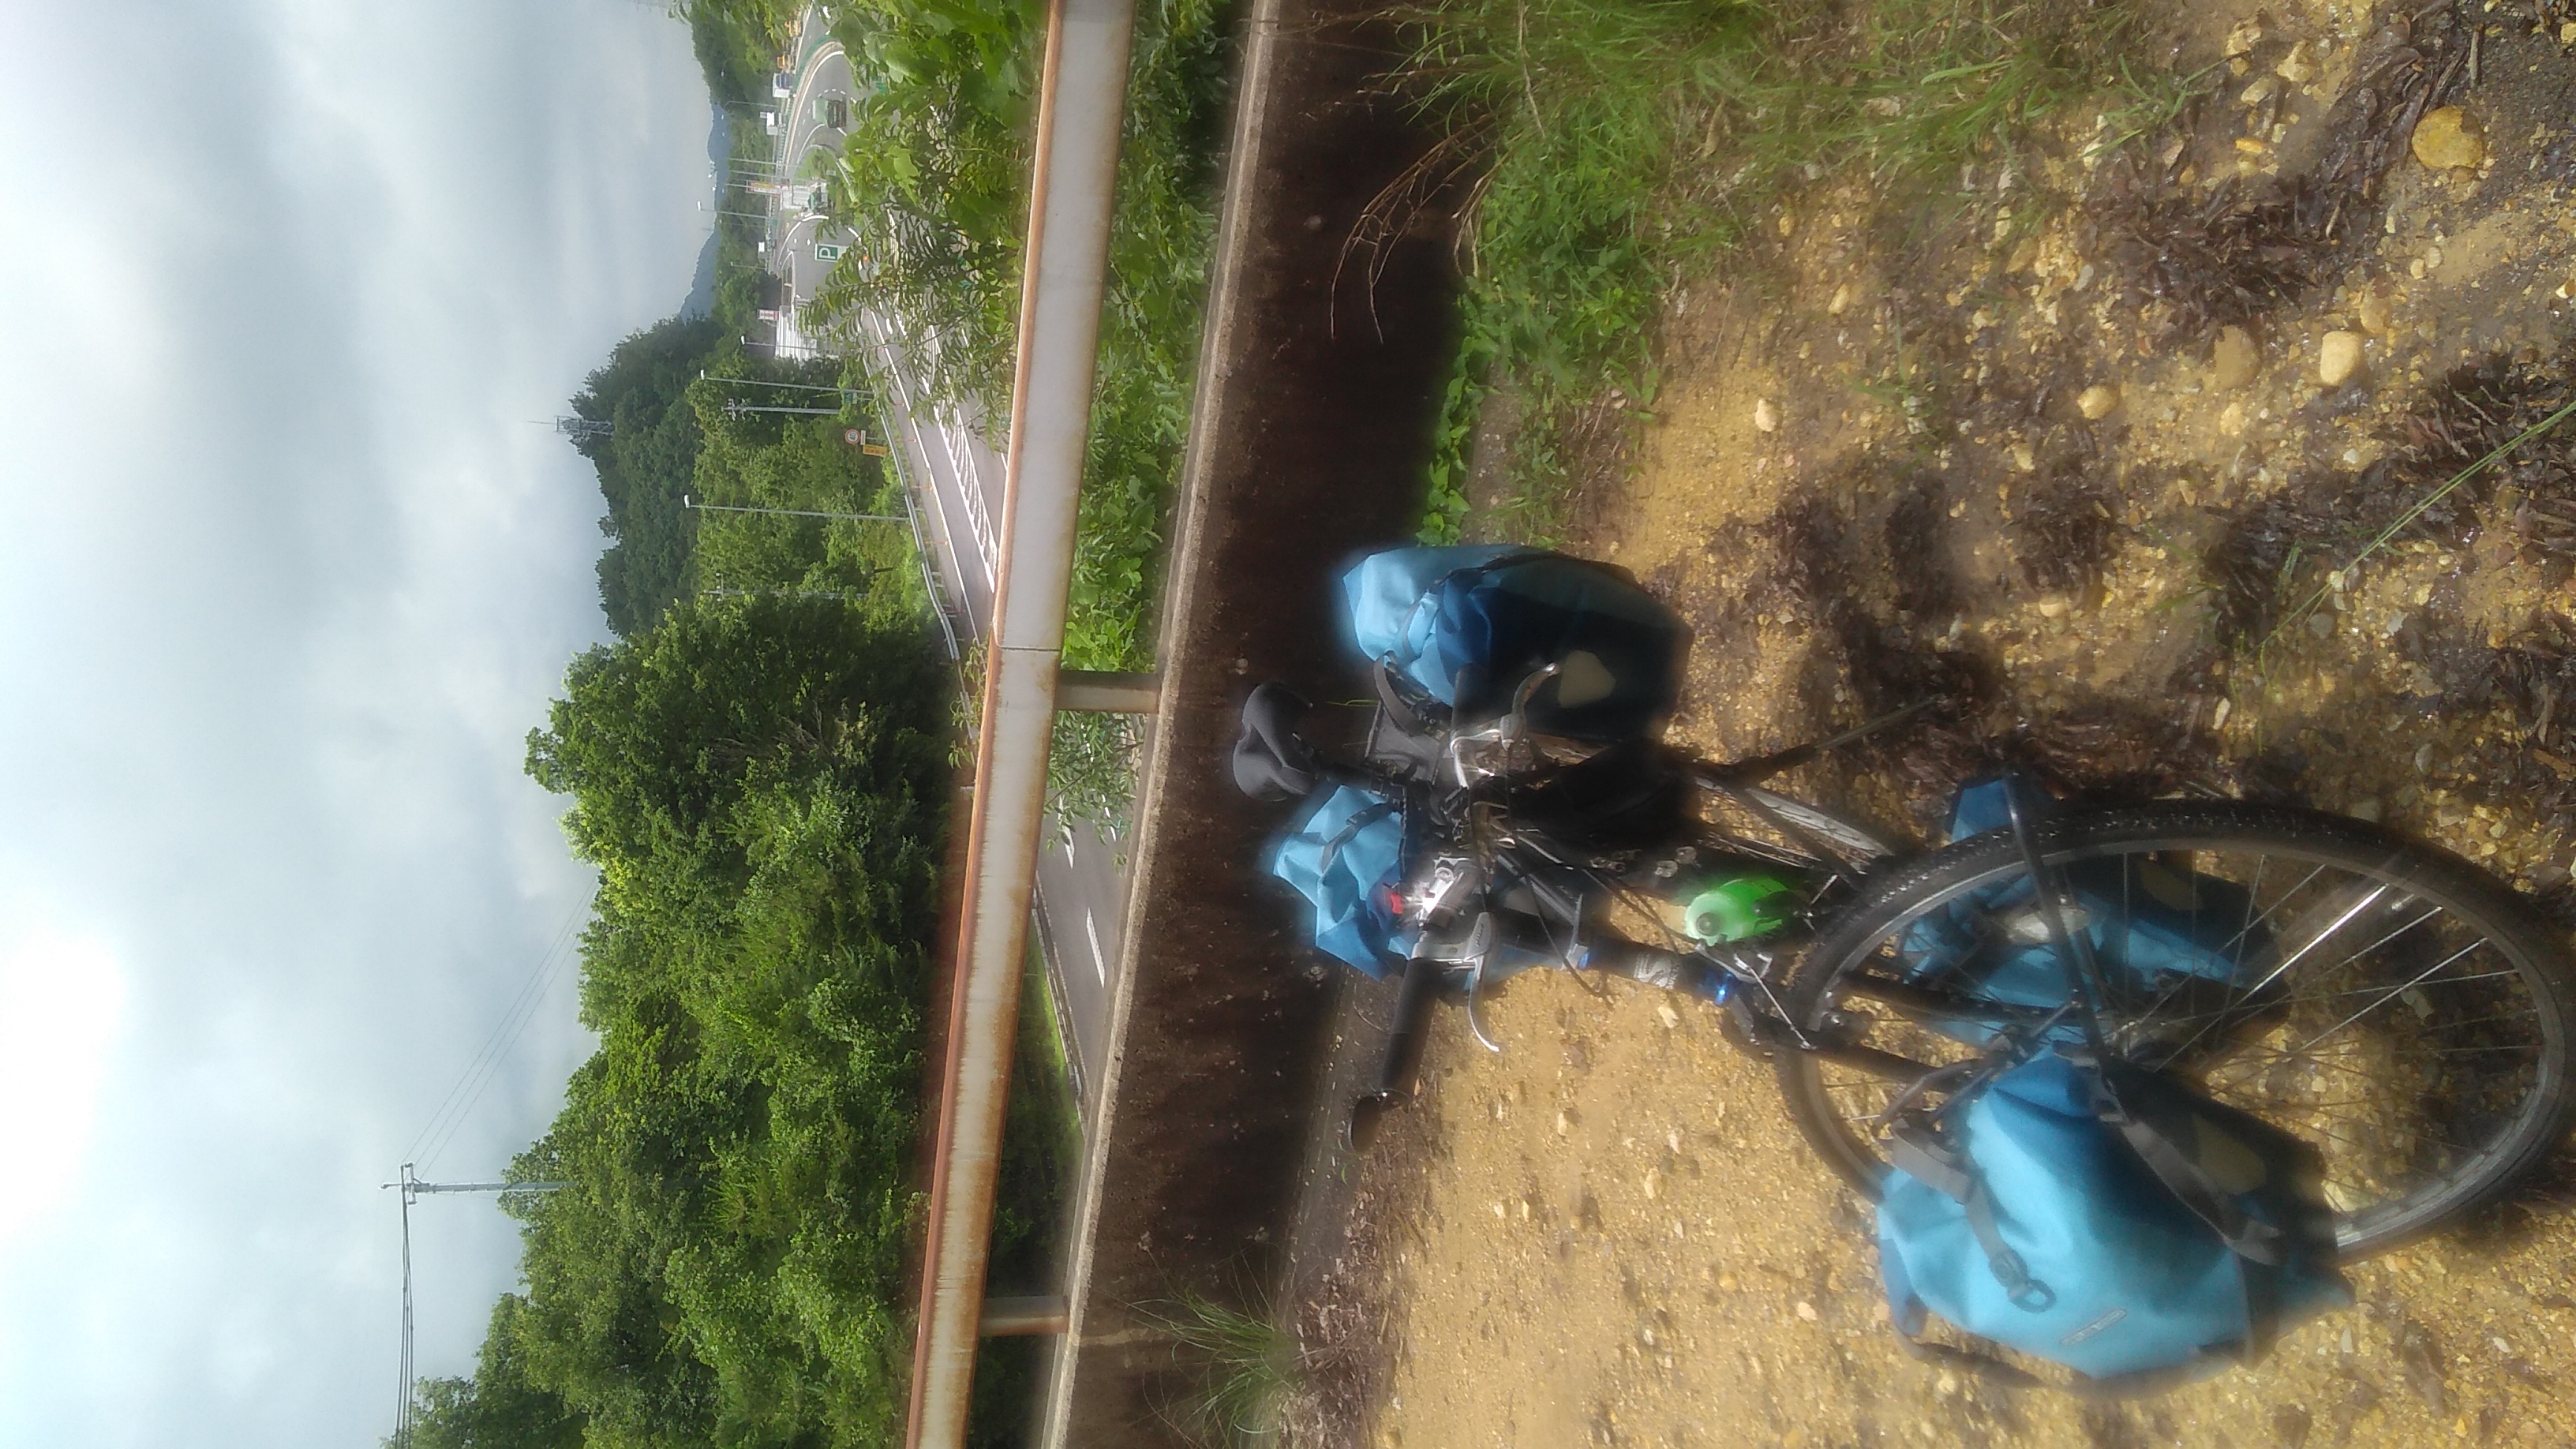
x=2118, y=1224
x=1467, y=625
x=1343, y=855
x=2149, y=923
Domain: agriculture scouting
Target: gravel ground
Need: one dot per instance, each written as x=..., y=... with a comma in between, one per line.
x=2004, y=449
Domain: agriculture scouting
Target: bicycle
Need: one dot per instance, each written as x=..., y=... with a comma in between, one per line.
x=2381, y=998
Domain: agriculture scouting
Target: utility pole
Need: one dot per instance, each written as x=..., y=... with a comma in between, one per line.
x=412, y=1188
x=846, y=394
x=582, y=430
x=688, y=502
x=735, y=408
x=841, y=594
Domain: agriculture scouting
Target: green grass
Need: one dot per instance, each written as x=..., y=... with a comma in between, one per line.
x=1243, y=1364
x=1041, y=1153
x=1620, y=147
x=934, y=181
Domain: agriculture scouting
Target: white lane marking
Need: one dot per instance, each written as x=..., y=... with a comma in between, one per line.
x=1099, y=962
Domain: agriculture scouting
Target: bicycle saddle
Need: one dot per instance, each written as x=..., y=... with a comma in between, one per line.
x=1271, y=762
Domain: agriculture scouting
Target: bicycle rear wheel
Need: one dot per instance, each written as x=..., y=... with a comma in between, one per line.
x=2392, y=1004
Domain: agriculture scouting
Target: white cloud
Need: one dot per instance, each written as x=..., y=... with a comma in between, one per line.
x=287, y=577
x=61, y=998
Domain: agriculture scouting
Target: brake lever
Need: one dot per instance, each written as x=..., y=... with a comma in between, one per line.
x=1475, y=1023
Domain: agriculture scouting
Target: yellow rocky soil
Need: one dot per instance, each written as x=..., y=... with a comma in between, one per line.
x=1956, y=455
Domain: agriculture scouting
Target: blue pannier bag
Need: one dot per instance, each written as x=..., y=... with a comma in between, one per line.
x=2150, y=925
x=1343, y=855
x=2114, y=1222
x=1466, y=625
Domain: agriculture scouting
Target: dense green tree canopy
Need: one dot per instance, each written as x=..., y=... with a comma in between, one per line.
x=645, y=465
x=760, y=782
x=498, y=1408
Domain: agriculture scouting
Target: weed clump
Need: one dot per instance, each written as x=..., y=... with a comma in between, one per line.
x=2066, y=530
x=2285, y=544
x=2195, y=260
x=2196, y=257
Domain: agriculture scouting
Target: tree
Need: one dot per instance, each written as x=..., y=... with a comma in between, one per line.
x=498, y=1408
x=645, y=465
x=762, y=784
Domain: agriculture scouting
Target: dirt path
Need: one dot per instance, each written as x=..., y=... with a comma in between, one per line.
x=2001, y=450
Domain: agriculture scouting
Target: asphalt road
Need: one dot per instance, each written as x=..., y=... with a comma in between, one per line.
x=1082, y=886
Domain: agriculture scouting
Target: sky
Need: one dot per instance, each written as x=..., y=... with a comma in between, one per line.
x=286, y=576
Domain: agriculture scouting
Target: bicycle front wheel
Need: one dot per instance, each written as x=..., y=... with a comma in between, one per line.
x=2388, y=1002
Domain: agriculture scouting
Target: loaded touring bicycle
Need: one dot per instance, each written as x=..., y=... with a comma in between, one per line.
x=2125, y=1082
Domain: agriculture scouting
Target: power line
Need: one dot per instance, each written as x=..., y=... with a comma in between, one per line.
x=461, y=1098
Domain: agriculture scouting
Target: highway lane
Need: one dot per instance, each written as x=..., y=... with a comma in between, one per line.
x=947, y=457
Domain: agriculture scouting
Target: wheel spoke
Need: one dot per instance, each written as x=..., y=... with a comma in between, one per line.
x=2294, y=958
x=2394, y=992
x=2417, y=1111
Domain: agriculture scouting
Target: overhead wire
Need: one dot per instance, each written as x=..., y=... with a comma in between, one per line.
x=459, y=1103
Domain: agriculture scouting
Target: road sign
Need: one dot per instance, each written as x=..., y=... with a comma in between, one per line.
x=828, y=251
x=853, y=436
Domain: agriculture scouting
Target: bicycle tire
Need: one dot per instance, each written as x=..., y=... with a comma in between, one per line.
x=1830, y=993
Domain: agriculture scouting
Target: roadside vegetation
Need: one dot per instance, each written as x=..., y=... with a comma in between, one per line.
x=933, y=180
x=1599, y=155
x=760, y=765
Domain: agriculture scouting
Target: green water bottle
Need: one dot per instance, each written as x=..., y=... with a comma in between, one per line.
x=1738, y=906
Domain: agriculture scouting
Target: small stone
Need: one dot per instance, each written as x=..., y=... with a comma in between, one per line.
x=1563, y=1124
x=2231, y=419
x=2365, y=808
x=2338, y=358
x=2567, y=33
x=2234, y=360
x=2263, y=89
x=2097, y=401
x=2242, y=40
x=2052, y=607
x=2297, y=67
x=2448, y=137
x=1842, y=299
x=2373, y=308
x=1665, y=1013
x=1766, y=416
x=1726, y=1282
x=1806, y=1311
x=1654, y=1184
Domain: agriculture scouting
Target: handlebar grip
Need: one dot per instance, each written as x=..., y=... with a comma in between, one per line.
x=1405, y=1038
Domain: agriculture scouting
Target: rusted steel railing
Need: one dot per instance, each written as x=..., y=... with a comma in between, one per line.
x=1082, y=97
